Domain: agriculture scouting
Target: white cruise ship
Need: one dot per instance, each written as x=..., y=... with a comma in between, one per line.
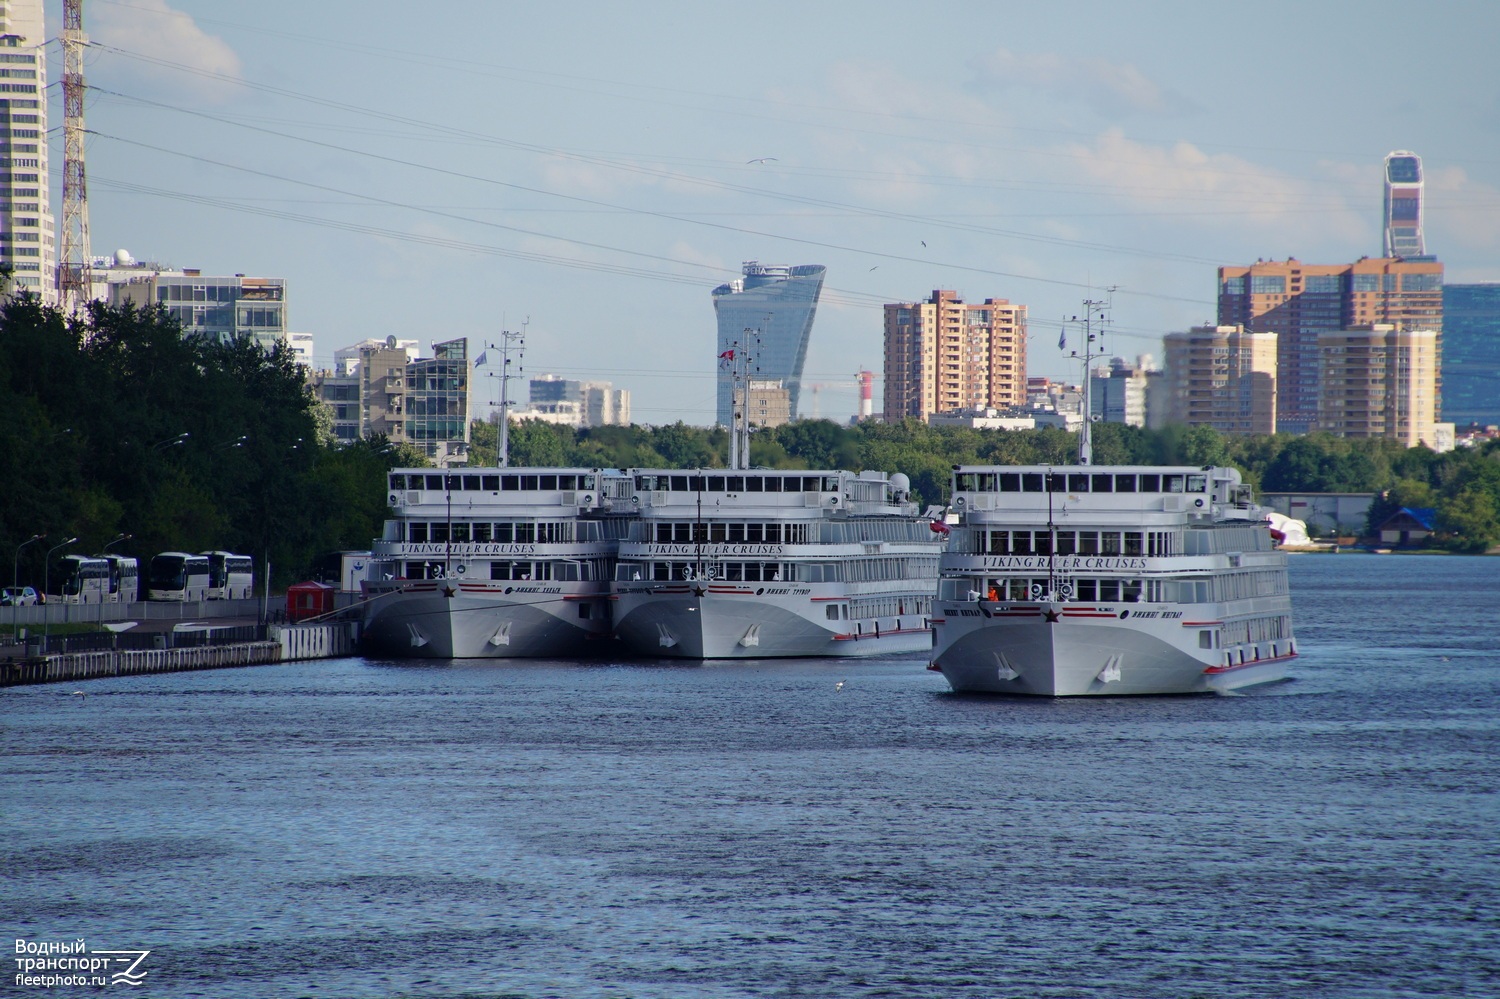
x=752, y=563
x=494, y=563
x=1085, y=579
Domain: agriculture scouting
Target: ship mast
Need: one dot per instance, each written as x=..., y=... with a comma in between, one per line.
x=1094, y=320
x=510, y=341
x=739, y=358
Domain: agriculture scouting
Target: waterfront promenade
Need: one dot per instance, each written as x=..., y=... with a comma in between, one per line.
x=155, y=637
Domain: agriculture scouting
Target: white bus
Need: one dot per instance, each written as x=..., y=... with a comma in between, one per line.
x=124, y=579
x=177, y=576
x=85, y=580
x=230, y=577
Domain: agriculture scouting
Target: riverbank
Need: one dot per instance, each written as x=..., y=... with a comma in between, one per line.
x=282, y=643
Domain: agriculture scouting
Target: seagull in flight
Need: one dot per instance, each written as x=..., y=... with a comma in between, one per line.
x=762, y=159
x=839, y=685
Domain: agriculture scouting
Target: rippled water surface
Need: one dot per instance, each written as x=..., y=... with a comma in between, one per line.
x=359, y=828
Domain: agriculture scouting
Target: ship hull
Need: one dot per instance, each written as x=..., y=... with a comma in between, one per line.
x=714, y=626
x=1024, y=653
x=423, y=621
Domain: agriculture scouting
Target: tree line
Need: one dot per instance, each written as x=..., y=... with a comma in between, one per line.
x=119, y=424
x=1463, y=485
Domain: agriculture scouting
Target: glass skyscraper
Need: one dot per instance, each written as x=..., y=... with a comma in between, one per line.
x=1403, y=205
x=27, y=240
x=776, y=304
x=1471, y=354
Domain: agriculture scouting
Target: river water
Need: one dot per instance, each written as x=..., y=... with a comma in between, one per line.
x=360, y=828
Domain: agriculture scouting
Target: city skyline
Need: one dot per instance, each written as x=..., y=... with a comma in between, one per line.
x=602, y=170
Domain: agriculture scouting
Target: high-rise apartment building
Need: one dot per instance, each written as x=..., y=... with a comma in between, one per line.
x=579, y=404
x=423, y=401
x=944, y=354
x=1222, y=377
x=1380, y=381
x=27, y=235
x=769, y=311
x=1403, y=205
x=1471, y=354
x=1119, y=394
x=1298, y=301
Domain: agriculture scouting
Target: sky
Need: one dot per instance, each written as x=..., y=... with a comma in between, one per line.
x=589, y=171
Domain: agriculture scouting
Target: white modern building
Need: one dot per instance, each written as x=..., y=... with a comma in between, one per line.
x=27, y=234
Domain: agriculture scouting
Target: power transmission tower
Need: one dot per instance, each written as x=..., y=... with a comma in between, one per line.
x=75, y=276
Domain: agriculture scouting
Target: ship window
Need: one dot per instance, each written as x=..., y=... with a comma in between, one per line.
x=1031, y=482
x=773, y=484
x=1103, y=483
x=491, y=483
x=1021, y=543
x=525, y=533
x=461, y=533
x=1088, y=543
x=510, y=483
x=754, y=484
x=1197, y=483
x=1078, y=483
x=1109, y=543
x=1150, y=483
x=1067, y=543
x=1132, y=542
x=755, y=533
x=434, y=482
x=1171, y=483
x=1043, y=543
x=1088, y=589
x=504, y=533
x=831, y=612
x=716, y=483
x=528, y=482
x=1205, y=639
x=1109, y=590
x=438, y=531
x=483, y=531
x=736, y=484
x=773, y=534
x=679, y=483
x=416, y=531
x=1130, y=590
x=737, y=534
x=645, y=483
x=999, y=543
x=663, y=533
x=547, y=482
x=1010, y=482
x=1124, y=483
x=716, y=532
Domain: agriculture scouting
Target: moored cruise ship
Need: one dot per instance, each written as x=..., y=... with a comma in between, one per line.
x=494, y=563
x=1087, y=579
x=753, y=563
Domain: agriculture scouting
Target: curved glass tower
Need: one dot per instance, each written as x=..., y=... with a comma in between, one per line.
x=1403, y=205
x=777, y=305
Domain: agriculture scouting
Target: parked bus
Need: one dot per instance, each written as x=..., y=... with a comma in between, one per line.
x=124, y=579
x=177, y=576
x=85, y=580
x=230, y=577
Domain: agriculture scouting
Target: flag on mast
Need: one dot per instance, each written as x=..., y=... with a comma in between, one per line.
x=1062, y=339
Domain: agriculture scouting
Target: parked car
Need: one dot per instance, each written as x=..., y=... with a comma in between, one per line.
x=19, y=596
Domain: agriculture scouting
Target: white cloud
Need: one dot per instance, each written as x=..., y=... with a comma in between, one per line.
x=1462, y=213
x=1222, y=189
x=1109, y=87
x=153, y=29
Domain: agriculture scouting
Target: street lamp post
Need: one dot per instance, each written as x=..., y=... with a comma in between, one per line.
x=15, y=584
x=47, y=584
x=110, y=544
